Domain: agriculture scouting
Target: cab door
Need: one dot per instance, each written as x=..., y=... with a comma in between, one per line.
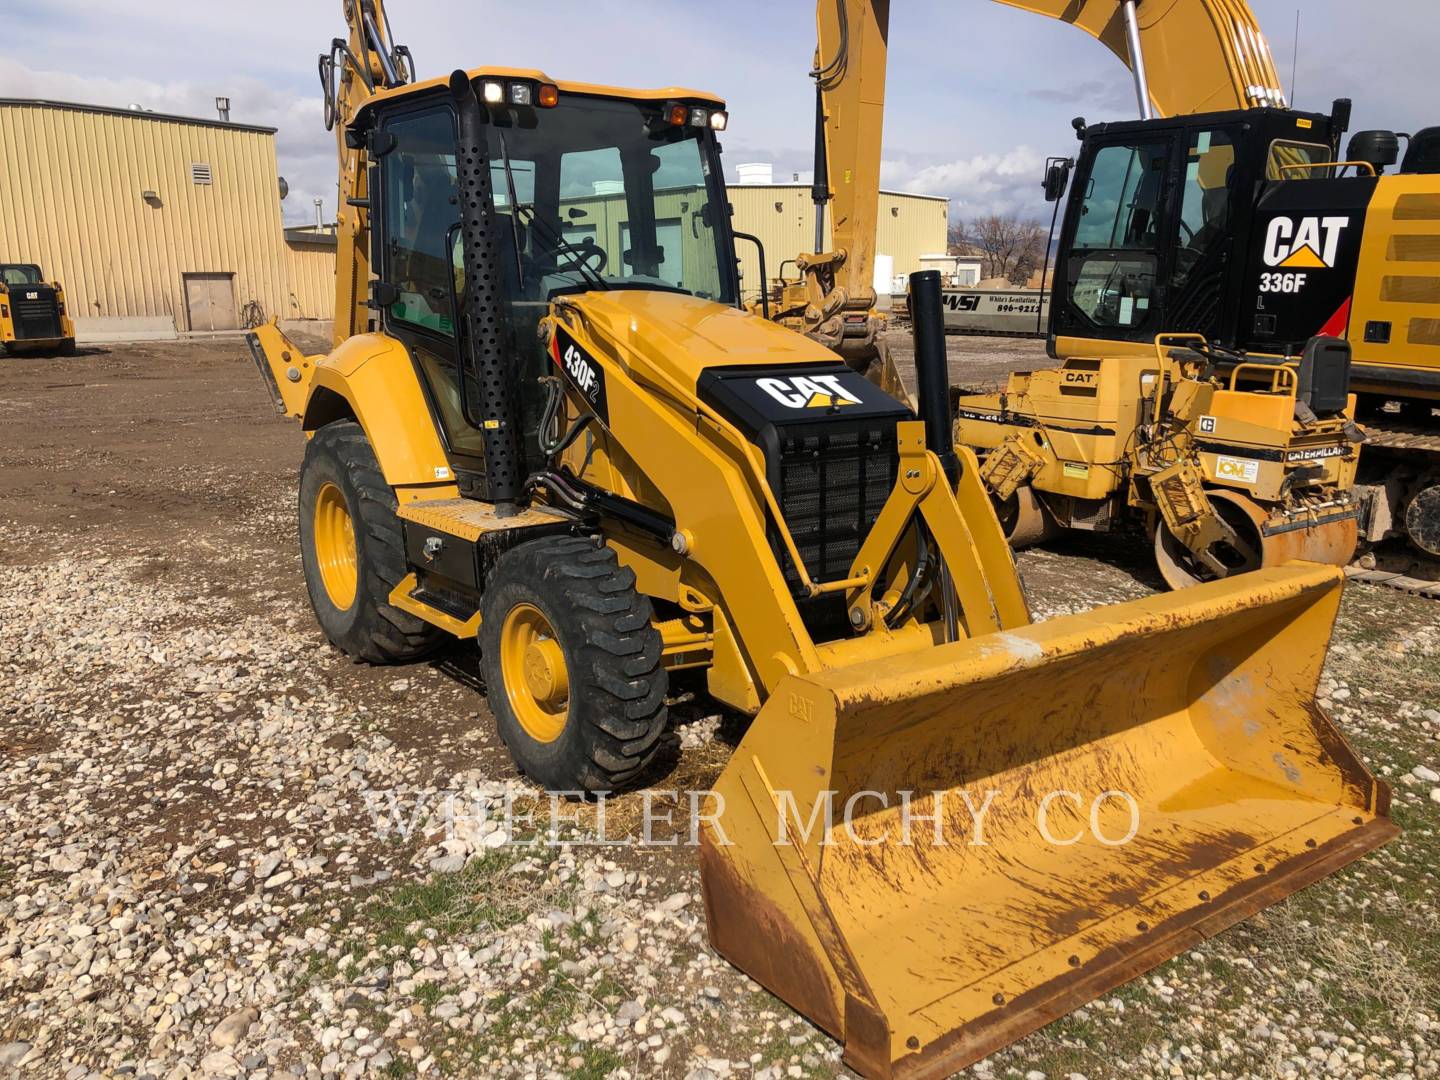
x=419, y=259
x=1110, y=279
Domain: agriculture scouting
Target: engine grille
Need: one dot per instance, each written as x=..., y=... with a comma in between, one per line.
x=831, y=485
x=39, y=318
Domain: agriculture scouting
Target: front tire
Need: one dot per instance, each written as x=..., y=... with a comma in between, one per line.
x=572, y=666
x=353, y=549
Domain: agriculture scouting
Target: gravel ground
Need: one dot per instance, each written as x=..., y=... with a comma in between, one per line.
x=226, y=848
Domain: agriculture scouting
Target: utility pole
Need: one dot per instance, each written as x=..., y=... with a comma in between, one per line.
x=1295, y=58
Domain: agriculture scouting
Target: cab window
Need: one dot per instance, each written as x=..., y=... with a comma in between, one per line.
x=20, y=275
x=1116, y=246
x=1207, y=188
x=1121, y=204
x=1286, y=157
x=421, y=208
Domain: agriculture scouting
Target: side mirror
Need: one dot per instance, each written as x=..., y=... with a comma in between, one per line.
x=1339, y=118
x=1057, y=178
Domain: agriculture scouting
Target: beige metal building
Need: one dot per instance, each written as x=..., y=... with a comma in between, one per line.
x=155, y=224
x=160, y=225
x=783, y=217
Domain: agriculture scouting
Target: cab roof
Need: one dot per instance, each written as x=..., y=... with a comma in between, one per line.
x=620, y=93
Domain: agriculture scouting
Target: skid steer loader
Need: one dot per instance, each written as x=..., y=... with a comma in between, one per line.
x=552, y=429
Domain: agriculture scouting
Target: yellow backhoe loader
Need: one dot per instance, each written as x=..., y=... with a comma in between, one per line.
x=548, y=430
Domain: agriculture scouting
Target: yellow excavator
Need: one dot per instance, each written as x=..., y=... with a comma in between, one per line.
x=1254, y=230
x=545, y=428
x=1223, y=474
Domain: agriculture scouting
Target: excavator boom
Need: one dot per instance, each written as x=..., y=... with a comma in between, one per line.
x=1197, y=55
x=1188, y=56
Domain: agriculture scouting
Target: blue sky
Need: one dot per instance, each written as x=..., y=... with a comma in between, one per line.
x=979, y=94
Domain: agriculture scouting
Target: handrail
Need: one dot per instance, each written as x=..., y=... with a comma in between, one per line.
x=1331, y=165
x=1279, y=373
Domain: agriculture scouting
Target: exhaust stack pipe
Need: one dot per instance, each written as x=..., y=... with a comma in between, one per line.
x=483, y=362
x=932, y=368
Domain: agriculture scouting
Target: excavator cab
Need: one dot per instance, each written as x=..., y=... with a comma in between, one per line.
x=1162, y=225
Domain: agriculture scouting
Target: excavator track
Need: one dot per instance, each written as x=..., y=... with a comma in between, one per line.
x=1391, y=580
x=1393, y=434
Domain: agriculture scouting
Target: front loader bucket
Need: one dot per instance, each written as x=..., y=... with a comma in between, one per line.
x=924, y=940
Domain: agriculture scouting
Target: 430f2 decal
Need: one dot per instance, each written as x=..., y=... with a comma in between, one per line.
x=582, y=371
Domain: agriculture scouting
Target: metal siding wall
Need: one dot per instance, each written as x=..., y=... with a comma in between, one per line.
x=70, y=185
x=312, y=282
x=784, y=219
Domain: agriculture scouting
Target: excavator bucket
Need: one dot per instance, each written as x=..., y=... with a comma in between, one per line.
x=931, y=856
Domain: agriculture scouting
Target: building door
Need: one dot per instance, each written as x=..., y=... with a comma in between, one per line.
x=210, y=302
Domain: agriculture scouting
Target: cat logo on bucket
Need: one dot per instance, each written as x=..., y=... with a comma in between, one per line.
x=808, y=391
x=1310, y=244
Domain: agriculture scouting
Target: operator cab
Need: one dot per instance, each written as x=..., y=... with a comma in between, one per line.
x=591, y=192
x=1164, y=220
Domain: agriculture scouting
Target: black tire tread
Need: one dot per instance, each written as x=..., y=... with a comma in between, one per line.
x=618, y=684
x=382, y=634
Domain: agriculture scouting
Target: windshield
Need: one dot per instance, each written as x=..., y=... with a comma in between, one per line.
x=598, y=193
x=20, y=274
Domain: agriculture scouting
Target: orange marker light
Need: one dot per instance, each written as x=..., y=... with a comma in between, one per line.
x=679, y=115
x=549, y=96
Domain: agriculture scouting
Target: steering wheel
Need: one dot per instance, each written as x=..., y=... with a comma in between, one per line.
x=580, y=256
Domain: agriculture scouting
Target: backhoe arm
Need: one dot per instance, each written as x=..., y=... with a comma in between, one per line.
x=355, y=68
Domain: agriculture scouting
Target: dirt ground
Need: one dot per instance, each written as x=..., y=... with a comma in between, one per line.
x=192, y=883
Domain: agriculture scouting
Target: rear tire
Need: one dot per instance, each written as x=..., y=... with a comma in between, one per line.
x=572, y=665
x=350, y=574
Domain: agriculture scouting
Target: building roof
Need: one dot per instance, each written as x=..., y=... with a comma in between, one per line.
x=133, y=114
x=311, y=236
x=735, y=185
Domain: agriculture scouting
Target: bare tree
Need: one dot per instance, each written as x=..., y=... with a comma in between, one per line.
x=958, y=238
x=1012, y=247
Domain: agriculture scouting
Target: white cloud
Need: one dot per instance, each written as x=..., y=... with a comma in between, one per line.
x=978, y=185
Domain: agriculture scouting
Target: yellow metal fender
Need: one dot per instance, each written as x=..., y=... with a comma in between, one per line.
x=1187, y=720
x=371, y=378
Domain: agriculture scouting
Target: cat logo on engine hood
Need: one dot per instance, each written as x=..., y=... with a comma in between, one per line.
x=808, y=391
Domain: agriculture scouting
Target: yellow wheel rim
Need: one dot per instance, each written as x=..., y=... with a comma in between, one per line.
x=335, y=547
x=537, y=682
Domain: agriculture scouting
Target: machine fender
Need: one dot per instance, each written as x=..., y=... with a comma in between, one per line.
x=372, y=378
